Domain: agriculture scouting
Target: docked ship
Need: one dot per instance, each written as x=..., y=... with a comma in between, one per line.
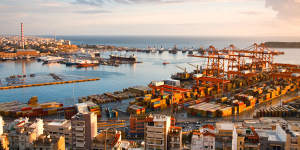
x=50, y=59
x=87, y=63
x=131, y=58
x=173, y=50
x=71, y=62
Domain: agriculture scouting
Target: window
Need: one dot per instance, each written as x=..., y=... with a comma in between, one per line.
x=150, y=123
x=294, y=141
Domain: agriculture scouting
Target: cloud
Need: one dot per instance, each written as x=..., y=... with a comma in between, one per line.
x=103, y=2
x=92, y=11
x=250, y=12
x=286, y=9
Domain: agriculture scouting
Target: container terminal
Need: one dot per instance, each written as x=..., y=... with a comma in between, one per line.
x=232, y=83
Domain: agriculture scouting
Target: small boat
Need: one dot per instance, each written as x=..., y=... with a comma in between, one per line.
x=165, y=63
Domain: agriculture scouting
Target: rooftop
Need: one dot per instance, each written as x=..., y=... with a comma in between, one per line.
x=270, y=134
x=224, y=125
x=62, y=122
x=158, y=117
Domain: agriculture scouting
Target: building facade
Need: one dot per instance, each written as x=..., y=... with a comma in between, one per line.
x=57, y=128
x=156, y=132
x=204, y=138
x=175, y=138
x=84, y=129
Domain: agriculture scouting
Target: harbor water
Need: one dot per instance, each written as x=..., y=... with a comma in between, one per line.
x=126, y=75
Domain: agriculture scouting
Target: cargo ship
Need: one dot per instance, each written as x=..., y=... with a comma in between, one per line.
x=131, y=58
x=30, y=109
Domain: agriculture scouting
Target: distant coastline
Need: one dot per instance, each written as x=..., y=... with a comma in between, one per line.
x=283, y=44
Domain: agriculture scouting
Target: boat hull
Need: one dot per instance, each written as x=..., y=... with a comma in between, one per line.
x=87, y=65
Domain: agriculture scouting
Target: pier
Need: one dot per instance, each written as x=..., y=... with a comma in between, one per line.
x=47, y=83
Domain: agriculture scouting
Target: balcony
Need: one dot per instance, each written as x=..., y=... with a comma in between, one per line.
x=152, y=135
x=81, y=144
x=155, y=144
x=79, y=134
x=155, y=129
x=79, y=128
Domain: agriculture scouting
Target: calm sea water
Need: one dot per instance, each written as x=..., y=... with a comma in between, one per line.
x=118, y=78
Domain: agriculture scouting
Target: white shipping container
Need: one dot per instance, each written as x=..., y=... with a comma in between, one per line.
x=282, y=70
x=235, y=101
x=157, y=83
x=172, y=82
x=295, y=75
x=197, y=75
x=246, y=71
x=250, y=97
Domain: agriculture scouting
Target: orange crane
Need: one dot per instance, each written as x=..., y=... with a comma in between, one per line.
x=263, y=56
x=215, y=64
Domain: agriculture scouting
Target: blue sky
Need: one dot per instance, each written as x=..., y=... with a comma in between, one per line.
x=152, y=17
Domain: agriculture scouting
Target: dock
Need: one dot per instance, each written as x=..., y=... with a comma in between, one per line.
x=47, y=83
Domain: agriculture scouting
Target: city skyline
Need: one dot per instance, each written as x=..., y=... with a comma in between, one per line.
x=152, y=17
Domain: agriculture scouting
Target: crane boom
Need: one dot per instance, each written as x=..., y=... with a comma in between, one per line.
x=184, y=69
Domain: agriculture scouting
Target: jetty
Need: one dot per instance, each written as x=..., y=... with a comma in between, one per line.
x=47, y=83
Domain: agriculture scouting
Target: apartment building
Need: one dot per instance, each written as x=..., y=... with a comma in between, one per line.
x=204, y=138
x=175, y=138
x=46, y=142
x=4, y=143
x=84, y=129
x=23, y=133
x=293, y=136
x=107, y=140
x=58, y=128
x=245, y=138
x=137, y=126
x=224, y=135
x=156, y=132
